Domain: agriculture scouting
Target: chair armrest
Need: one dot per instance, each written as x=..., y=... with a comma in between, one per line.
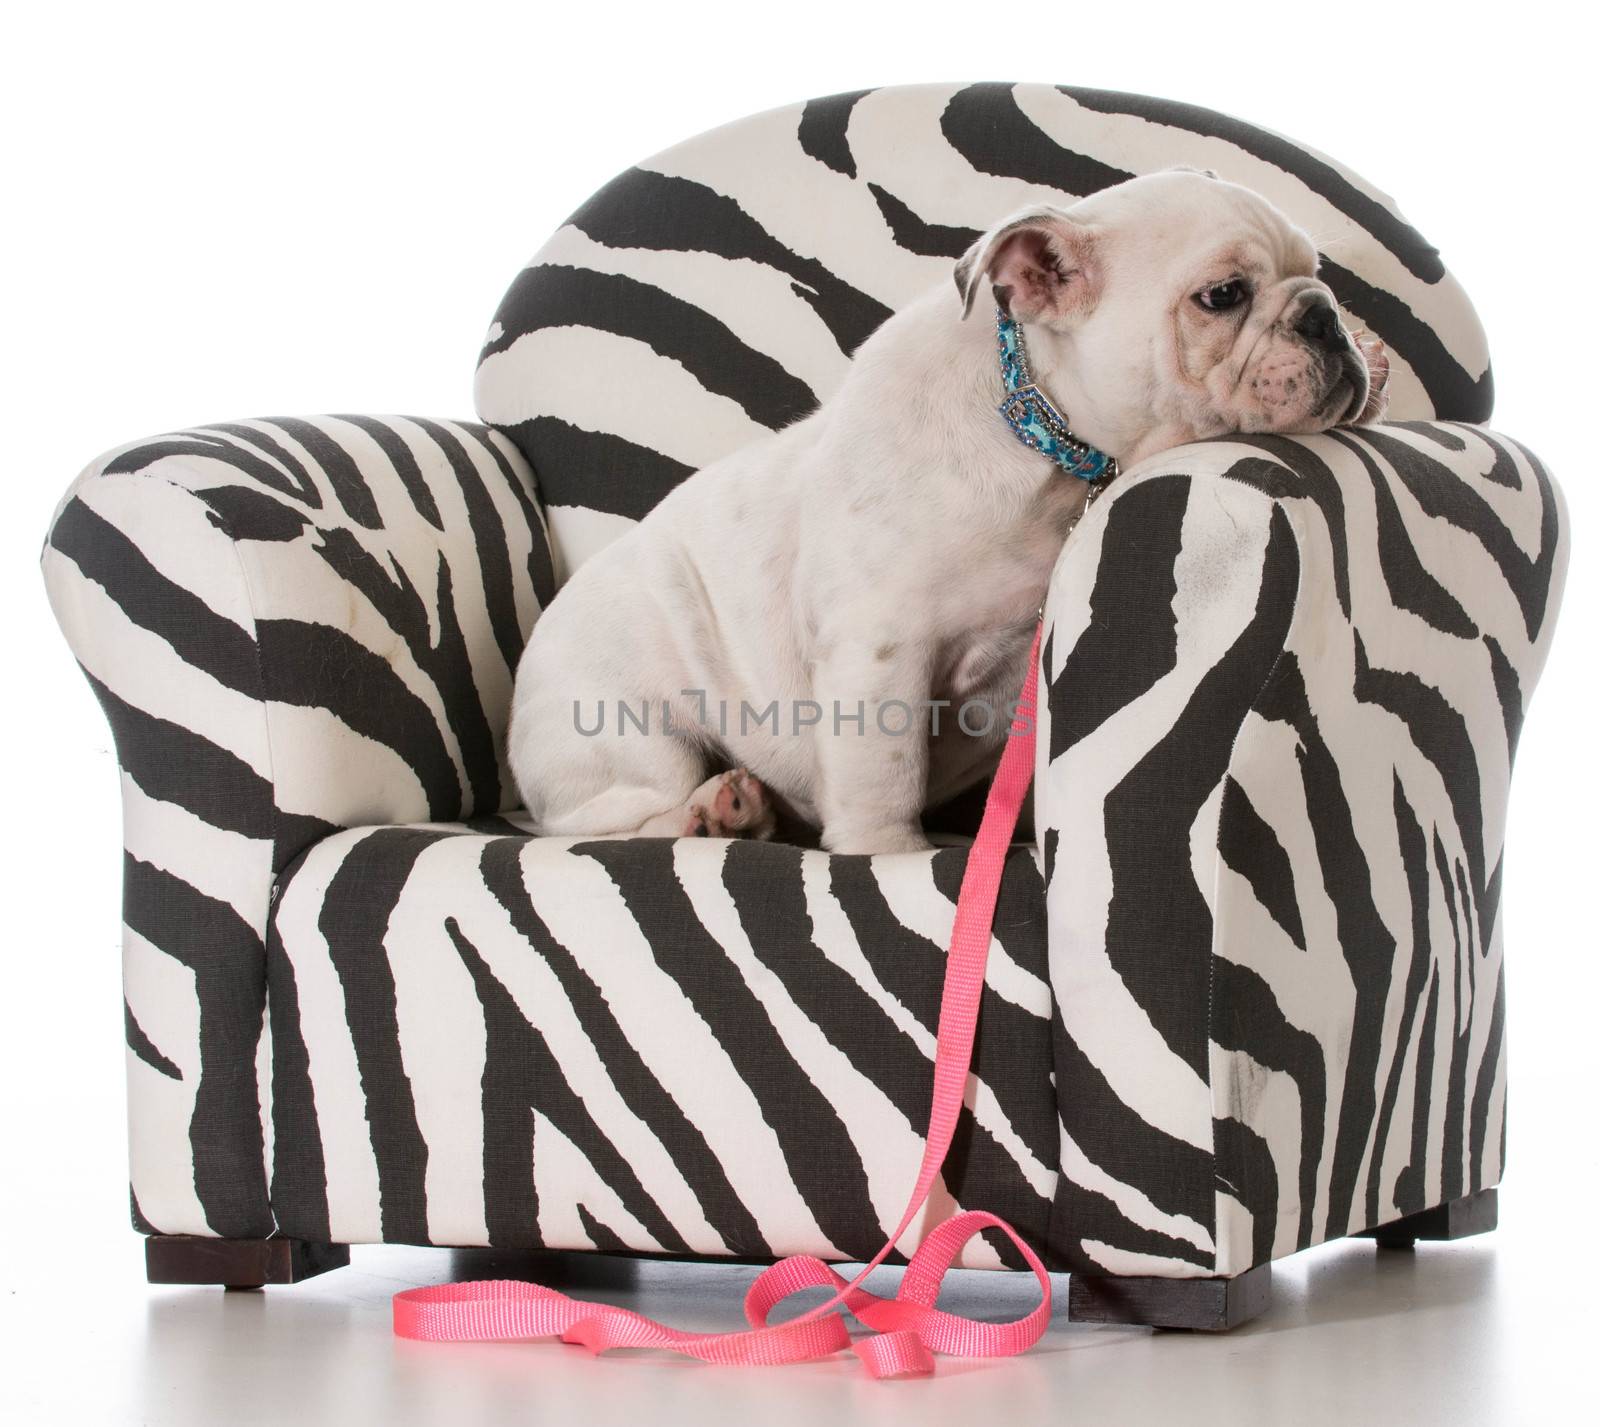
x=1284, y=678
x=293, y=626
x=326, y=615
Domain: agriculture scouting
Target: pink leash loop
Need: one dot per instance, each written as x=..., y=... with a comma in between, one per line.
x=907, y=1329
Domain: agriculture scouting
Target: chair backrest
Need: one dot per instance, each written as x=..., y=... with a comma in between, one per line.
x=716, y=291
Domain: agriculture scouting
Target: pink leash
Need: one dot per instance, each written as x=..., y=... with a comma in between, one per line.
x=907, y=1329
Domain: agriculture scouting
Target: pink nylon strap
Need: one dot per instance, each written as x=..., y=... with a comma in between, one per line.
x=907, y=1329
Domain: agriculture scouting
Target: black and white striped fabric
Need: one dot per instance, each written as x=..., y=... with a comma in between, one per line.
x=1286, y=679
x=715, y=292
x=684, y=1046
x=293, y=626
x=1244, y=996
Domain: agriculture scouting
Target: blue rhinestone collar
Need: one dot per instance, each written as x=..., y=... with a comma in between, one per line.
x=1035, y=419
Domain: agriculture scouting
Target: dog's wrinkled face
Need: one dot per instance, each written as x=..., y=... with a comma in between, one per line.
x=1176, y=307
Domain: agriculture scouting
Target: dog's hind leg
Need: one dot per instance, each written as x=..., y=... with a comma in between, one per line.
x=592, y=789
x=616, y=811
x=645, y=781
x=580, y=784
x=732, y=804
x=654, y=788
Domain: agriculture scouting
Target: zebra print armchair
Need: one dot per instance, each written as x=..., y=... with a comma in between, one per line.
x=1246, y=992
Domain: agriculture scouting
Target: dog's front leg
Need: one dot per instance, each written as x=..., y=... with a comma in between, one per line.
x=872, y=745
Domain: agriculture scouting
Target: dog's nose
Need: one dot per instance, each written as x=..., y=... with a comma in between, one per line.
x=1319, y=323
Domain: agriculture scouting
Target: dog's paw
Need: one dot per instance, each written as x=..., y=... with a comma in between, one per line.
x=732, y=804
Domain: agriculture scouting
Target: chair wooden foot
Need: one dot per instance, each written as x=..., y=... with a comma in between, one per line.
x=1207, y=1305
x=1459, y=1219
x=238, y=1263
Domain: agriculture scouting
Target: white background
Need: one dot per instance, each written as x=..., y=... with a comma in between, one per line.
x=221, y=210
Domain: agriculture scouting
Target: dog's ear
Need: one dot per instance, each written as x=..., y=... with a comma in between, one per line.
x=1041, y=264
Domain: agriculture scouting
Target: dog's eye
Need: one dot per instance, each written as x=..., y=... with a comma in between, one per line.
x=1219, y=297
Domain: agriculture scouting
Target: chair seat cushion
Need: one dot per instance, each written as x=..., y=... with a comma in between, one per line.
x=698, y=1046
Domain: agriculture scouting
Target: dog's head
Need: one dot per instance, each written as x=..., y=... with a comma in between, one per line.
x=1174, y=307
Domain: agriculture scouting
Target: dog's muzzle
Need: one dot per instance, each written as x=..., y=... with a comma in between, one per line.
x=1361, y=358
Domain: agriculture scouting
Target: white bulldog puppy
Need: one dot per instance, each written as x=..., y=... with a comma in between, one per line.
x=820, y=612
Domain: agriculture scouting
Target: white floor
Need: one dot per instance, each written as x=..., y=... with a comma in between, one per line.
x=1499, y=1329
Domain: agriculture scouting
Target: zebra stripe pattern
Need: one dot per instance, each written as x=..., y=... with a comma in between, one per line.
x=1285, y=680
x=1290, y=671
x=716, y=292
x=693, y=1047
x=293, y=626
x=724, y=1048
